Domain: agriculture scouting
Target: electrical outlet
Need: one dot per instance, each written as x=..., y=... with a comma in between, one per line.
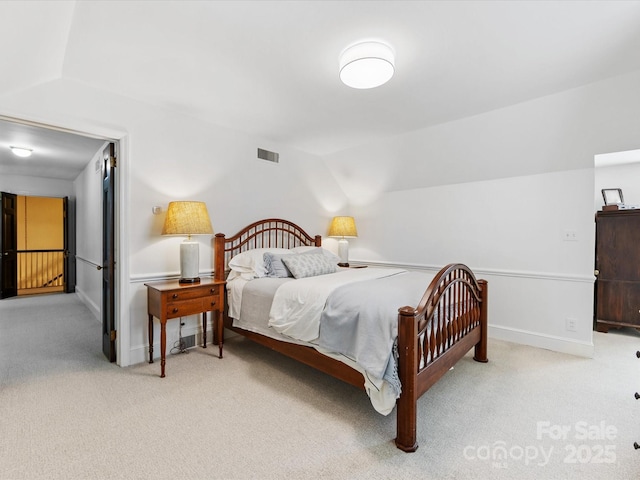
x=570, y=324
x=570, y=236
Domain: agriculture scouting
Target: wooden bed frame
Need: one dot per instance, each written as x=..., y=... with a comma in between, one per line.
x=429, y=342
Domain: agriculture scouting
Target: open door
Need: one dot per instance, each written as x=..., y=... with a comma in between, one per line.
x=9, y=246
x=108, y=253
x=69, y=214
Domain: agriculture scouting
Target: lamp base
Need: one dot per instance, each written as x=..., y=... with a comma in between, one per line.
x=189, y=280
x=189, y=262
x=343, y=252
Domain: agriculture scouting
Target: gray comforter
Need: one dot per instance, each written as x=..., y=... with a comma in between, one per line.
x=360, y=321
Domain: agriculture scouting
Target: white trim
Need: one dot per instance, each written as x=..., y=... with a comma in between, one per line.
x=140, y=353
x=100, y=133
x=548, y=342
x=123, y=298
x=159, y=276
x=479, y=272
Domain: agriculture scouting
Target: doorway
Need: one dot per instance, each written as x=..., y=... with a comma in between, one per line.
x=41, y=245
x=69, y=164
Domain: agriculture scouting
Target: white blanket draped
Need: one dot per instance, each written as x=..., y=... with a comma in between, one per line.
x=297, y=306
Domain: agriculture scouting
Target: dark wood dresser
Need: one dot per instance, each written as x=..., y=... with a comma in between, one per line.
x=617, y=269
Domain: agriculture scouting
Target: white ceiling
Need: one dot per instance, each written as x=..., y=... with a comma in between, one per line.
x=271, y=68
x=56, y=154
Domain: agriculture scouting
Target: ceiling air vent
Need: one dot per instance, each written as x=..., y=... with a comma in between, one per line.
x=268, y=156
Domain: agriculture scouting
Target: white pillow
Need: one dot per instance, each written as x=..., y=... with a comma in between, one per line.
x=250, y=264
x=307, y=249
x=302, y=266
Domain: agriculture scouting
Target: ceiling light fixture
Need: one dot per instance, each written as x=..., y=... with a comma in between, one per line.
x=21, y=152
x=367, y=65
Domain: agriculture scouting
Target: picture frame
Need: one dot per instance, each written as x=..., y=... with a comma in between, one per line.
x=612, y=196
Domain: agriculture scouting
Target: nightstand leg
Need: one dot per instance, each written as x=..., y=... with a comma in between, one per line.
x=220, y=325
x=163, y=346
x=204, y=329
x=150, y=338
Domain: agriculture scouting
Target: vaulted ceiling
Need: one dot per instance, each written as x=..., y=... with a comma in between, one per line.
x=270, y=68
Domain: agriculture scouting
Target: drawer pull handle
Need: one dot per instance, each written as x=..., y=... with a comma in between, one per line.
x=175, y=310
x=213, y=303
x=213, y=290
x=175, y=295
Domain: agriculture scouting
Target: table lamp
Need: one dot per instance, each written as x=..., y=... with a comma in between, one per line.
x=343, y=227
x=188, y=218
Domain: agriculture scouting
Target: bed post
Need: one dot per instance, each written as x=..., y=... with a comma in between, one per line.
x=480, y=353
x=318, y=240
x=218, y=256
x=408, y=371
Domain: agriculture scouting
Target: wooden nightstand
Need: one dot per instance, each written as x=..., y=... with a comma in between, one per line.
x=170, y=299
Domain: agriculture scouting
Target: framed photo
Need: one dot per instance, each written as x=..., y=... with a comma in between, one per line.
x=612, y=196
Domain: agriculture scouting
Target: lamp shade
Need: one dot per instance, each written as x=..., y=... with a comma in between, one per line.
x=367, y=65
x=343, y=227
x=187, y=218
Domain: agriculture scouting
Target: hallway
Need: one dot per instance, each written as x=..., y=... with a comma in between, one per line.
x=42, y=335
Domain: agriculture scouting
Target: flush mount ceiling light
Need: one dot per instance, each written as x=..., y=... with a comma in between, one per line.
x=21, y=152
x=367, y=65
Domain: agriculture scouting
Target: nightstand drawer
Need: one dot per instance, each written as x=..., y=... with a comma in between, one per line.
x=197, y=292
x=191, y=307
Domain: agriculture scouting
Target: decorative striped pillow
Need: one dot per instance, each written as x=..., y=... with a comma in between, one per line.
x=302, y=266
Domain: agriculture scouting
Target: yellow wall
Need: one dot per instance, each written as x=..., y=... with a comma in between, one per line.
x=40, y=223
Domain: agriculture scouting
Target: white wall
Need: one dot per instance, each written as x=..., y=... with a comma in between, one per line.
x=88, y=188
x=36, y=186
x=167, y=156
x=536, y=279
x=498, y=191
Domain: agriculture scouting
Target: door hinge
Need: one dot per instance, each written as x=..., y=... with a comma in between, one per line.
x=113, y=335
x=113, y=162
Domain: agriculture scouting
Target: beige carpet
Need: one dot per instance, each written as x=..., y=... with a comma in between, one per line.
x=65, y=413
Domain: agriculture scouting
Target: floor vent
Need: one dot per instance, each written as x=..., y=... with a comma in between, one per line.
x=268, y=156
x=189, y=341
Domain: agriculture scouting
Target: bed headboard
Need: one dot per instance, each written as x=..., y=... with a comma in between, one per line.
x=268, y=233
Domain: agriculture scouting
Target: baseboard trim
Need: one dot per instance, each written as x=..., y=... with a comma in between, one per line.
x=548, y=342
x=140, y=353
x=93, y=308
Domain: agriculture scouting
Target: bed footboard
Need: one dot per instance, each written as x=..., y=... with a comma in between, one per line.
x=450, y=319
